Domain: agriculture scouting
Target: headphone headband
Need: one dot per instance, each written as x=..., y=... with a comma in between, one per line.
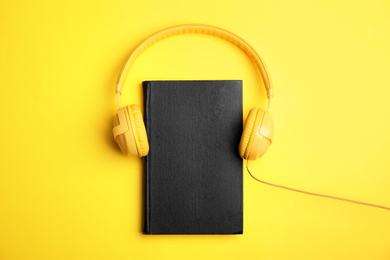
x=195, y=28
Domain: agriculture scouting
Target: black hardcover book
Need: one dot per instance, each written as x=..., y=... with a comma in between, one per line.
x=193, y=181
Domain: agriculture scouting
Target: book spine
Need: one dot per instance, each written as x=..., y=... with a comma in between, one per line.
x=146, y=92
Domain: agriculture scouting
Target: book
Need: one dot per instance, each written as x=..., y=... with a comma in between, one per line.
x=193, y=172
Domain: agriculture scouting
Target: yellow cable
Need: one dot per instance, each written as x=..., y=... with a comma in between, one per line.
x=316, y=194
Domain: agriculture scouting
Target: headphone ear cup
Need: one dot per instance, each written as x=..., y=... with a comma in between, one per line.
x=129, y=131
x=140, y=136
x=257, y=135
x=120, y=127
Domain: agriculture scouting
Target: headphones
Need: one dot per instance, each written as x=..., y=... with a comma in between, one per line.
x=129, y=128
x=128, y=125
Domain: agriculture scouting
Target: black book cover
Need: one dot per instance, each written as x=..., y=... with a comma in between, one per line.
x=193, y=181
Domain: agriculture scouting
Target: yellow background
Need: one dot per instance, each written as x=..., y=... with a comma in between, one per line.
x=66, y=191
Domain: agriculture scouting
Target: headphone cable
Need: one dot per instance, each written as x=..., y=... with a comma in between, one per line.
x=315, y=194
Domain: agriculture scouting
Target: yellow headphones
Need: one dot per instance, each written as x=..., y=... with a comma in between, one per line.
x=129, y=128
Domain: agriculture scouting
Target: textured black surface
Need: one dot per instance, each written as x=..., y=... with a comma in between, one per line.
x=194, y=182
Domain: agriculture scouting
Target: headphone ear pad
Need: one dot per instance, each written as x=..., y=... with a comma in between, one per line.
x=138, y=126
x=249, y=127
x=257, y=135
